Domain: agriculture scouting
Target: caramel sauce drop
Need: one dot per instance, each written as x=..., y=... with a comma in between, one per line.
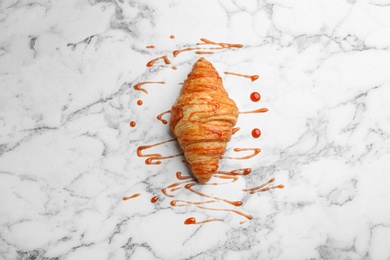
x=260, y=110
x=150, y=47
x=255, y=97
x=151, y=62
x=154, y=199
x=256, y=133
x=172, y=36
x=131, y=197
x=140, y=102
x=159, y=117
x=252, y=77
x=138, y=86
x=190, y=221
x=132, y=124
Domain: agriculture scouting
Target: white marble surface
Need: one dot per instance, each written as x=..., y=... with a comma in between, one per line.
x=68, y=154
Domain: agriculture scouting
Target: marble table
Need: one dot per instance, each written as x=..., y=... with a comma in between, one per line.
x=68, y=155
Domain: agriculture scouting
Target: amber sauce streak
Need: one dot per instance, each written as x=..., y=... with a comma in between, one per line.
x=155, y=158
x=192, y=221
x=255, y=151
x=150, y=47
x=234, y=203
x=151, y=62
x=138, y=86
x=235, y=130
x=260, y=110
x=159, y=117
x=208, y=42
x=262, y=187
x=252, y=77
x=132, y=196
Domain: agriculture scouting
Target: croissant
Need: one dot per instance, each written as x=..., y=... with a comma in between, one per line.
x=202, y=119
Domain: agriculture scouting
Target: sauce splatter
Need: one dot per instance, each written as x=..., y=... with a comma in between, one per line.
x=132, y=124
x=140, y=102
x=193, y=221
x=172, y=36
x=260, y=110
x=155, y=158
x=255, y=151
x=150, y=47
x=252, y=77
x=159, y=117
x=255, y=97
x=256, y=132
x=132, y=196
x=154, y=199
x=138, y=86
x=151, y=62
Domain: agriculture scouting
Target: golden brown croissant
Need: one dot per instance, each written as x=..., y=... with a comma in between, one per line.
x=202, y=119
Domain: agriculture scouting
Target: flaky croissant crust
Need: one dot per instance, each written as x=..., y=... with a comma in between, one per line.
x=202, y=119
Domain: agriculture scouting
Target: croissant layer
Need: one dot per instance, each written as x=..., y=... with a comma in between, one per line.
x=202, y=119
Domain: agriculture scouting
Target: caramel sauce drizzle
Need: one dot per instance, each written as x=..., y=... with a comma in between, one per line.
x=235, y=130
x=138, y=86
x=159, y=117
x=234, y=203
x=193, y=221
x=204, y=41
x=262, y=188
x=165, y=58
x=150, y=47
x=252, y=77
x=204, y=52
x=242, y=171
x=155, y=158
x=260, y=110
x=228, y=210
x=255, y=152
x=222, y=44
x=132, y=196
x=181, y=177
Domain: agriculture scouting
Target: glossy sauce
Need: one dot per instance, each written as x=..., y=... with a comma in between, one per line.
x=252, y=77
x=132, y=124
x=234, y=203
x=255, y=97
x=140, y=102
x=155, y=158
x=222, y=44
x=262, y=187
x=260, y=110
x=172, y=36
x=154, y=199
x=151, y=62
x=192, y=221
x=150, y=47
x=204, y=52
x=159, y=117
x=235, y=130
x=255, y=151
x=243, y=171
x=138, y=86
x=256, y=133
x=132, y=196
x=181, y=177
x=228, y=210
